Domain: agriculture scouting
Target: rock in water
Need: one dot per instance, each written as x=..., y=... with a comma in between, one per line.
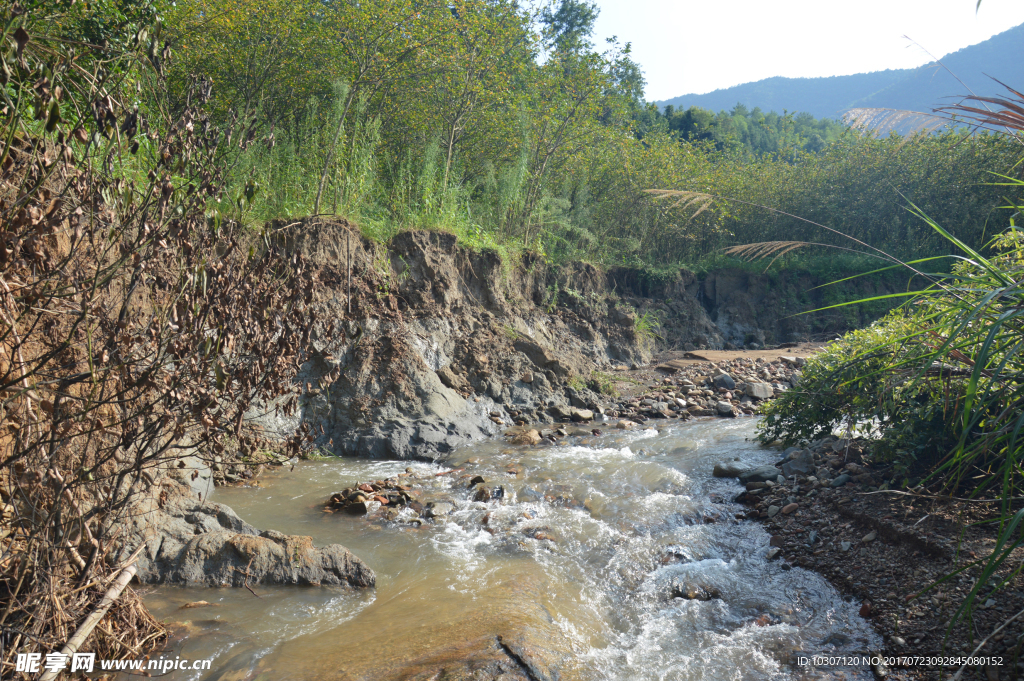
x=441, y=508
x=194, y=542
x=760, y=474
x=730, y=469
x=692, y=592
x=725, y=409
x=527, y=437
x=579, y=415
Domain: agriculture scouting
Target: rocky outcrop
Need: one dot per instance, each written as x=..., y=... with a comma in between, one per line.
x=188, y=540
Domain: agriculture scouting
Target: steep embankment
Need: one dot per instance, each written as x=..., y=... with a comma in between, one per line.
x=425, y=345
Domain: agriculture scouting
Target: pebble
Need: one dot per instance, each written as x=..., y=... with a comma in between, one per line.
x=773, y=552
x=870, y=536
x=844, y=546
x=789, y=508
x=773, y=511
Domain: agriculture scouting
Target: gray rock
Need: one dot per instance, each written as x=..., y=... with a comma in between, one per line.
x=794, y=380
x=762, y=391
x=773, y=553
x=730, y=469
x=773, y=511
x=760, y=474
x=725, y=409
x=870, y=536
x=841, y=480
x=441, y=509
x=724, y=381
x=202, y=543
x=844, y=546
x=560, y=411
x=802, y=464
x=580, y=415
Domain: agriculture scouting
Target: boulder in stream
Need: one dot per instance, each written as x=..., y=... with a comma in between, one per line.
x=196, y=542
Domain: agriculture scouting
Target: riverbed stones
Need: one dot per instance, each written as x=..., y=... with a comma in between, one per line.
x=840, y=480
x=360, y=499
x=790, y=508
x=773, y=510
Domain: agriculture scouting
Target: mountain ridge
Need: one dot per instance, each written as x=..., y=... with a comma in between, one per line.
x=918, y=89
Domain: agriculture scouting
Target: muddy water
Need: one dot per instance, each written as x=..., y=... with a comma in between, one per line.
x=577, y=563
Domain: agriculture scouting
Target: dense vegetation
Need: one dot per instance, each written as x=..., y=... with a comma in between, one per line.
x=134, y=328
x=753, y=131
x=514, y=131
x=937, y=383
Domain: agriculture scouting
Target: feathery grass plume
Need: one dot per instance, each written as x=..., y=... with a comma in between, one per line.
x=684, y=199
x=777, y=249
x=881, y=121
x=1009, y=118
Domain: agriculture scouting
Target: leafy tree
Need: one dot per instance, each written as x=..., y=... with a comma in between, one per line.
x=568, y=26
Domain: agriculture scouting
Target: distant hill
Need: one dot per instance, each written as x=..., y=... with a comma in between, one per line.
x=920, y=89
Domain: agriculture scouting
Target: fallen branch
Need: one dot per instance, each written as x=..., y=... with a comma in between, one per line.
x=90, y=622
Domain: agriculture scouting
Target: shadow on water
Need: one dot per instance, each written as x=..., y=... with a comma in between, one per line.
x=579, y=570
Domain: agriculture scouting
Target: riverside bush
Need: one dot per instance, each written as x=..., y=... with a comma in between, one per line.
x=938, y=380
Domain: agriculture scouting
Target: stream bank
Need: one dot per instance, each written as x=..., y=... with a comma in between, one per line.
x=427, y=351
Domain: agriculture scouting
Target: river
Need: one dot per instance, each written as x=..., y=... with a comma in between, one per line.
x=582, y=560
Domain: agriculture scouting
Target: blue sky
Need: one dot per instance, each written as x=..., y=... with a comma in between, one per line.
x=697, y=46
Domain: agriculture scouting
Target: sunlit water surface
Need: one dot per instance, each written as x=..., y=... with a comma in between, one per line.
x=620, y=516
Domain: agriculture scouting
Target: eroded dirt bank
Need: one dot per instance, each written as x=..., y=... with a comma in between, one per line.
x=425, y=345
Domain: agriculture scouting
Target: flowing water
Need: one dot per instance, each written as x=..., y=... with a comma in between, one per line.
x=581, y=554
